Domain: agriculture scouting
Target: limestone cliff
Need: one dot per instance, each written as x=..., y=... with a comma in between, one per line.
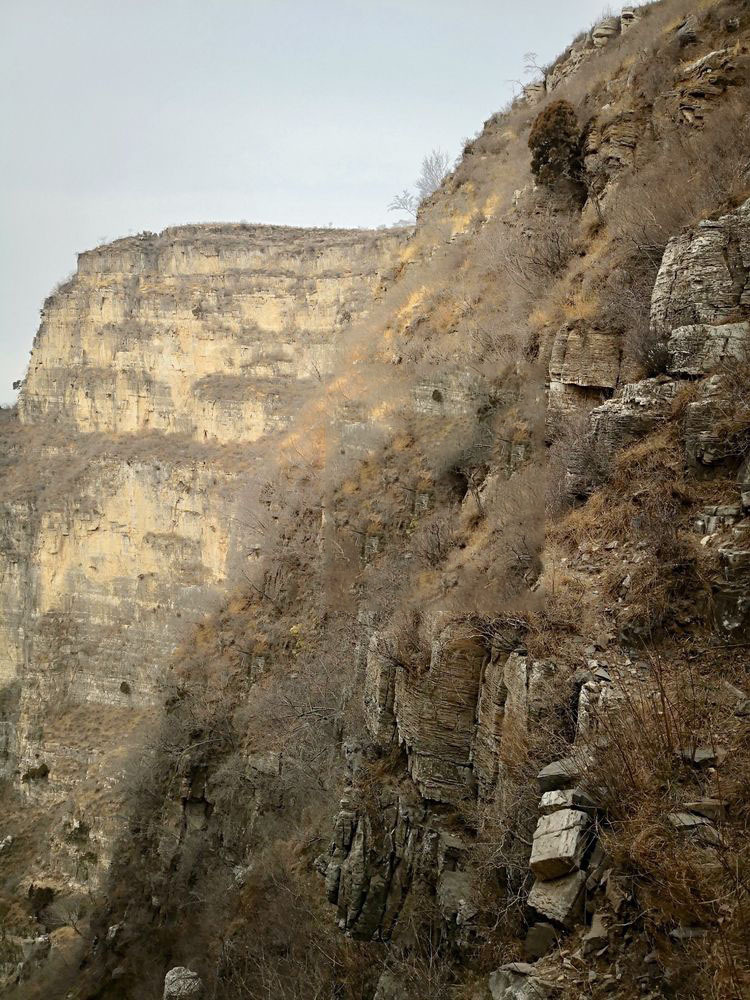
x=203, y=330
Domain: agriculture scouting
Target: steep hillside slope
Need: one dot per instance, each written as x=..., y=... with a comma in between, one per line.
x=473, y=724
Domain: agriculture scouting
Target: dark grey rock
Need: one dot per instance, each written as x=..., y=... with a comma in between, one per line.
x=559, y=774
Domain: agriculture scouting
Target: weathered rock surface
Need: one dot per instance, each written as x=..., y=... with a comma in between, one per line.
x=603, y=32
x=202, y=330
x=560, y=842
x=182, y=984
x=435, y=717
x=702, y=349
x=378, y=854
x=517, y=981
x=732, y=589
x=560, y=900
x=703, y=80
x=583, y=364
x=634, y=412
x=704, y=277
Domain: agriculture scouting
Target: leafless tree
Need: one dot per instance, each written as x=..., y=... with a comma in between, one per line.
x=435, y=166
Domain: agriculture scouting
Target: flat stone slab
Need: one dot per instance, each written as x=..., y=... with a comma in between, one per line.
x=559, y=774
x=568, y=798
x=516, y=982
x=559, y=900
x=713, y=809
x=695, y=826
x=559, y=843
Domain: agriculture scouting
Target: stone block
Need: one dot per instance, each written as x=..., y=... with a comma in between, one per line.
x=560, y=842
x=541, y=938
x=560, y=900
x=517, y=981
x=559, y=774
x=597, y=936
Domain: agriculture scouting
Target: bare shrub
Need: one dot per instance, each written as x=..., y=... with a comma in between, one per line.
x=639, y=746
x=530, y=252
x=435, y=166
x=576, y=463
x=435, y=538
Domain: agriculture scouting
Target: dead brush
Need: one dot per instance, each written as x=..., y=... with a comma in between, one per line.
x=639, y=747
x=732, y=407
x=435, y=538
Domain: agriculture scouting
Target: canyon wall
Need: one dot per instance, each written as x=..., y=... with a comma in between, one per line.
x=159, y=375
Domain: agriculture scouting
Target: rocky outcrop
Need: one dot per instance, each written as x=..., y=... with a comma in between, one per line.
x=452, y=720
x=635, y=411
x=701, y=82
x=704, y=277
x=381, y=852
x=702, y=349
x=584, y=369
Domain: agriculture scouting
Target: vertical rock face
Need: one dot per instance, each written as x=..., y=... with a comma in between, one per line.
x=202, y=330
x=705, y=275
x=123, y=476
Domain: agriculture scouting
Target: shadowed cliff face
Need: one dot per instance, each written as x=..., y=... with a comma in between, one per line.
x=201, y=330
x=157, y=375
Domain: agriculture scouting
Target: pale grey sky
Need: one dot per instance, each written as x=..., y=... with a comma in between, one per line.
x=124, y=115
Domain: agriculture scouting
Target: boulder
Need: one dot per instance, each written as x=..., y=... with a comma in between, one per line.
x=559, y=844
x=182, y=984
x=603, y=32
x=541, y=938
x=559, y=774
x=560, y=900
x=517, y=981
x=597, y=936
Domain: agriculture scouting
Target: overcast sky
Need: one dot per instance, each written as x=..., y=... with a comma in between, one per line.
x=124, y=115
